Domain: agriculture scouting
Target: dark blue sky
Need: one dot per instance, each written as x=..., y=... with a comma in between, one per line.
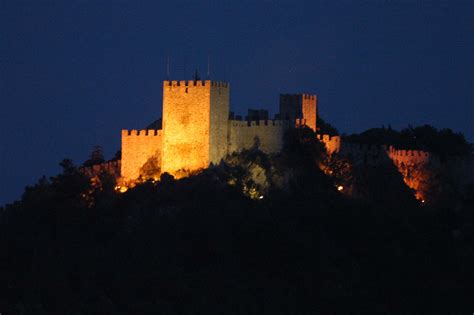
x=74, y=73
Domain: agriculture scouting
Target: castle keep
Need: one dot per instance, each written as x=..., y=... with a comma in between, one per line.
x=198, y=129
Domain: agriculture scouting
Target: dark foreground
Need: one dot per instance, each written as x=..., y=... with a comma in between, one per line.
x=200, y=245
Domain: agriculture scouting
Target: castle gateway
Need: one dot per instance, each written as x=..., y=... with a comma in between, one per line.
x=198, y=129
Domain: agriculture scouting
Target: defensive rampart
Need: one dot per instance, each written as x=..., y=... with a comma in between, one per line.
x=332, y=143
x=376, y=154
x=411, y=157
x=266, y=135
x=138, y=146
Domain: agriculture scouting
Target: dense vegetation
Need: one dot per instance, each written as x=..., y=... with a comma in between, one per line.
x=252, y=235
x=442, y=142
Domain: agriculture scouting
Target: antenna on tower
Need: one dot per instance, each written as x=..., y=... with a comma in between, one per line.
x=185, y=61
x=196, y=76
x=208, y=66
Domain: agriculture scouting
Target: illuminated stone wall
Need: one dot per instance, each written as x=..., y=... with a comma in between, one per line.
x=266, y=134
x=197, y=130
x=219, y=121
x=299, y=106
x=309, y=104
x=332, y=143
x=137, y=148
x=412, y=164
x=189, y=108
x=378, y=154
x=410, y=157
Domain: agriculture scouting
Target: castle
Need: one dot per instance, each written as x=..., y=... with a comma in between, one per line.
x=198, y=129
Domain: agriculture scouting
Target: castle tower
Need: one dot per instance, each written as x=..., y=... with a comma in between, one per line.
x=195, y=125
x=296, y=106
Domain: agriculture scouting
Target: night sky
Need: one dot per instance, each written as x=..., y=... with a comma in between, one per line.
x=74, y=73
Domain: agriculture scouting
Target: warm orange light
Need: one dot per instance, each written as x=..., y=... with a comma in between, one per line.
x=121, y=189
x=340, y=188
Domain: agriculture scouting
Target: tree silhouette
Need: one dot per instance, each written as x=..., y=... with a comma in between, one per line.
x=96, y=157
x=201, y=245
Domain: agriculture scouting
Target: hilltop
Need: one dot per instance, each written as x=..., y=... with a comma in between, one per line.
x=254, y=234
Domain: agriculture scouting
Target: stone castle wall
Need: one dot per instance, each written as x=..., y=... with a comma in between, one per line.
x=309, y=104
x=416, y=166
x=218, y=137
x=410, y=163
x=138, y=146
x=411, y=157
x=190, y=108
x=376, y=154
x=299, y=106
x=197, y=130
x=332, y=143
x=267, y=135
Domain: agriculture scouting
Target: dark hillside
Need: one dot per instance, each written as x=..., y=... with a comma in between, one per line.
x=256, y=234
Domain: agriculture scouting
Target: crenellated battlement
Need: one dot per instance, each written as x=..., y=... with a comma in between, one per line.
x=197, y=130
x=254, y=123
x=418, y=153
x=138, y=146
x=373, y=154
x=309, y=96
x=136, y=133
x=411, y=157
x=348, y=146
x=294, y=106
x=195, y=83
x=305, y=96
x=195, y=115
